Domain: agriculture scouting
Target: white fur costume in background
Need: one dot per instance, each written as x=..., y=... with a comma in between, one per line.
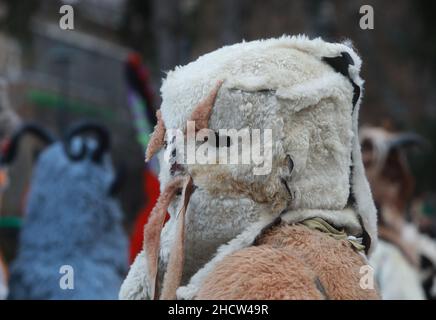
x=397, y=272
x=280, y=84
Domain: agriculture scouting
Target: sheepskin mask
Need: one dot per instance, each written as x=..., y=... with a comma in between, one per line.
x=307, y=94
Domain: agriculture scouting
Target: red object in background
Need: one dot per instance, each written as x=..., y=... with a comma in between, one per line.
x=139, y=80
x=151, y=189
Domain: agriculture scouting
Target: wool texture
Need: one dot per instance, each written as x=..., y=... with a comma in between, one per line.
x=290, y=262
x=286, y=86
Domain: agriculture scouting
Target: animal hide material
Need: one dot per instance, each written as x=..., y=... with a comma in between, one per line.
x=71, y=220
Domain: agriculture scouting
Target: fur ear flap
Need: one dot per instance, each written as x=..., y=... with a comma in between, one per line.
x=157, y=138
x=173, y=275
x=201, y=114
x=153, y=228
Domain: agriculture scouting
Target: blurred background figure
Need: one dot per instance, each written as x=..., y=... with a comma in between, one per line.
x=72, y=244
x=9, y=120
x=402, y=247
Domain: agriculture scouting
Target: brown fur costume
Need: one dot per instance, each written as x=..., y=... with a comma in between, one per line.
x=290, y=262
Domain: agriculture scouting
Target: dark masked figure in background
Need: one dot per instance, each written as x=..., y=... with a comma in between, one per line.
x=401, y=247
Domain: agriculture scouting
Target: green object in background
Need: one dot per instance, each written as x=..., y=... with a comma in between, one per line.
x=51, y=100
x=143, y=139
x=10, y=222
x=142, y=124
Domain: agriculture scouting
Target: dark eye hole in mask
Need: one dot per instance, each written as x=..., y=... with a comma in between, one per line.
x=290, y=163
x=261, y=91
x=220, y=141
